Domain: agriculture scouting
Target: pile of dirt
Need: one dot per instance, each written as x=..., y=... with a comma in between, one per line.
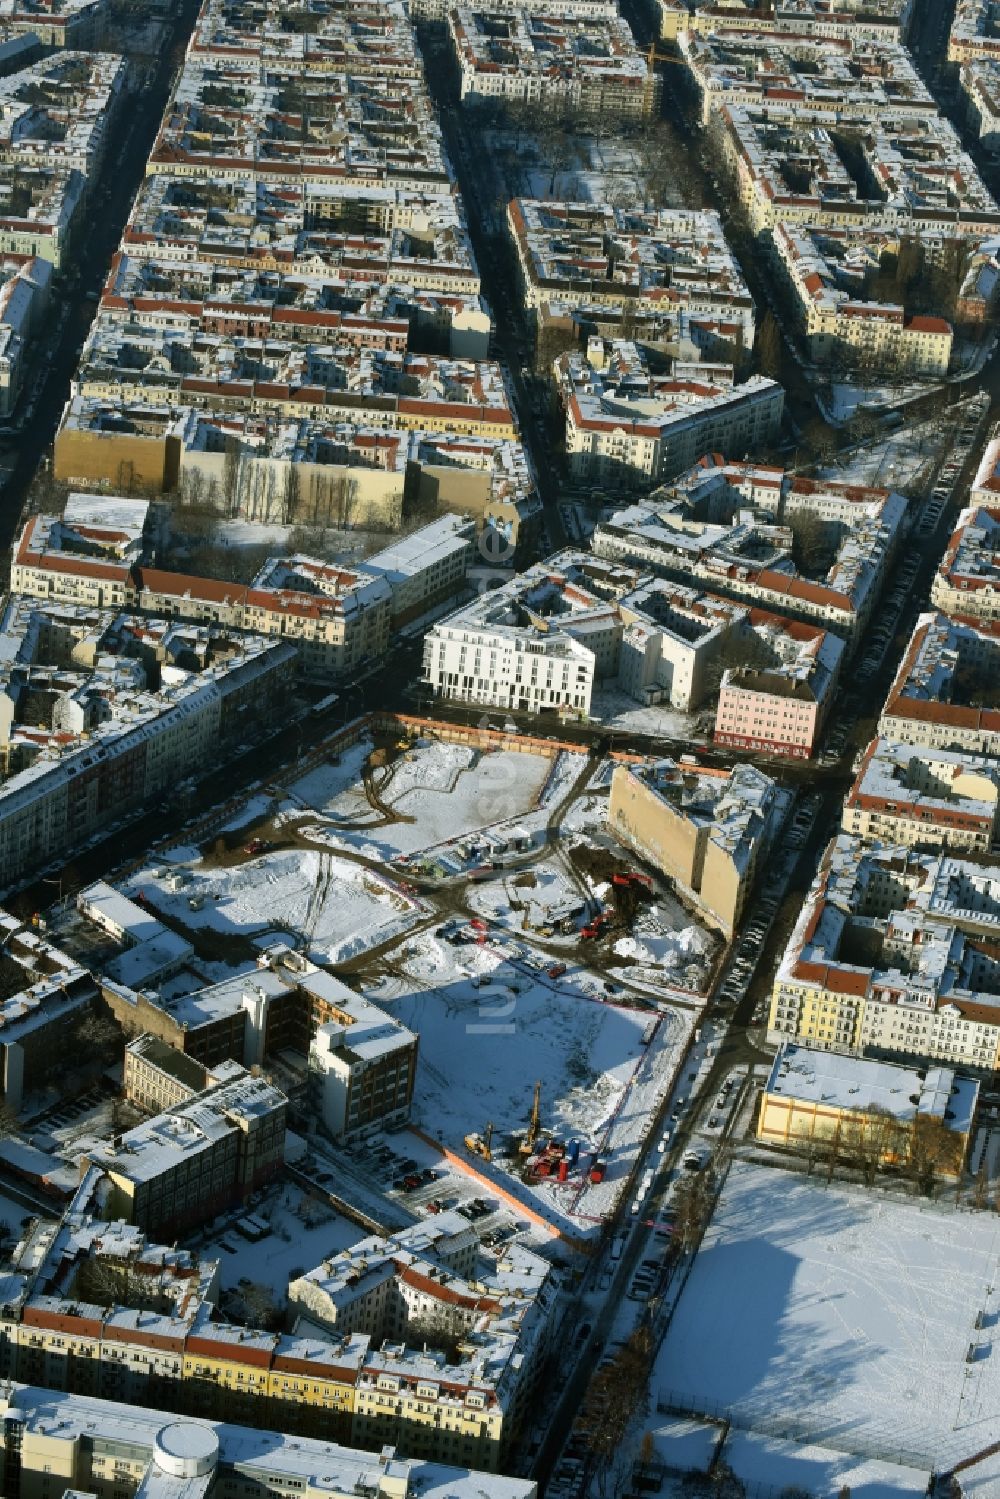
x=596, y=864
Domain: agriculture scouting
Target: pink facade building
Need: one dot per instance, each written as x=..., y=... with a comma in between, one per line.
x=776, y=704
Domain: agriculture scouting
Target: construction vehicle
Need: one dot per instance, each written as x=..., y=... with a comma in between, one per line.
x=626, y=878
x=596, y=925
x=477, y=1144
x=528, y=1143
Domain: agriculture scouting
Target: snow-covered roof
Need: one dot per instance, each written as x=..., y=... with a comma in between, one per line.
x=859, y=1083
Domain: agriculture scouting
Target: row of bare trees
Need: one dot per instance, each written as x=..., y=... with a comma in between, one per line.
x=924, y=1150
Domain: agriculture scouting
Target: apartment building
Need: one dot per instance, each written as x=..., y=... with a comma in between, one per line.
x=157, y=1077
x=827, y=272
x=708, y=830
x=378, y=127
x=197, y=1159
x=788, y=170
x=151, y=952
x=41, y=220
x=56, y=117
x=894, y=955
x=777, y=691
x=831, y=20
x=944, y=692
x=409, y=273
x=672, y=639
x=362, y=1062
x=728, y=527
x=627, y=427
x=59, y=112
x=367, y=38
x=272, y=468
x=979, y=81
x=40, y=1020
x=115, y=1450
x=967, y=582
x=336, y=618
x=908, y=795
x=25, y=294
x=292, y=373
x=848, y=77
x=58, y=23
x=423, y=1289
x=568, y=59
x=606, y=10
x=495, y=1315
x=818, y=1099
x=975, y=31
x=261, y=340
x=487, y=478
x=426, y=569
x=674, y=264
x=538, y=643
x=101, y=712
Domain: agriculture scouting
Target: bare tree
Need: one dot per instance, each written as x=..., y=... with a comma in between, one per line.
x=769, y=347
x=291, y=494
x=814, y=543
x=617, y=1393
x=742, y=649
x=935, y=1151
x=871, y=1138
x=231, y=475
x=260, y=1309
x=693, y=1203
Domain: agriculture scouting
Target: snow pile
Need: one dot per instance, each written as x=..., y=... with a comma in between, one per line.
x=665, y=949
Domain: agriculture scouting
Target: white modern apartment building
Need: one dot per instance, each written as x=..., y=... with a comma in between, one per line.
x=519, y=646
x=545, y=640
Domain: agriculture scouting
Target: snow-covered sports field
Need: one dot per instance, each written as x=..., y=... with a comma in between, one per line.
x=845, y=1319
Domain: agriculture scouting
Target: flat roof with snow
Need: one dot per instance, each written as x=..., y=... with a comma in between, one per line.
x=849, y=1082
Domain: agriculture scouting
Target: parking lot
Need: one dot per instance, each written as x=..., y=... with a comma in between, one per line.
x=404, y=1174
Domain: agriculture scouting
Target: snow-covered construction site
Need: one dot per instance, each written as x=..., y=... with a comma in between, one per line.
x=466, y=884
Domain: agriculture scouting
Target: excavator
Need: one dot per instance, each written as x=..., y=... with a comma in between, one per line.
x=477, y=1144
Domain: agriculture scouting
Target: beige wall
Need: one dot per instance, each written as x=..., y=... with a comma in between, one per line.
x=681, y=849
x=797, y=1121
x=335, y=493
x=723, y=886
x=643, y=820
x=125, y=460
